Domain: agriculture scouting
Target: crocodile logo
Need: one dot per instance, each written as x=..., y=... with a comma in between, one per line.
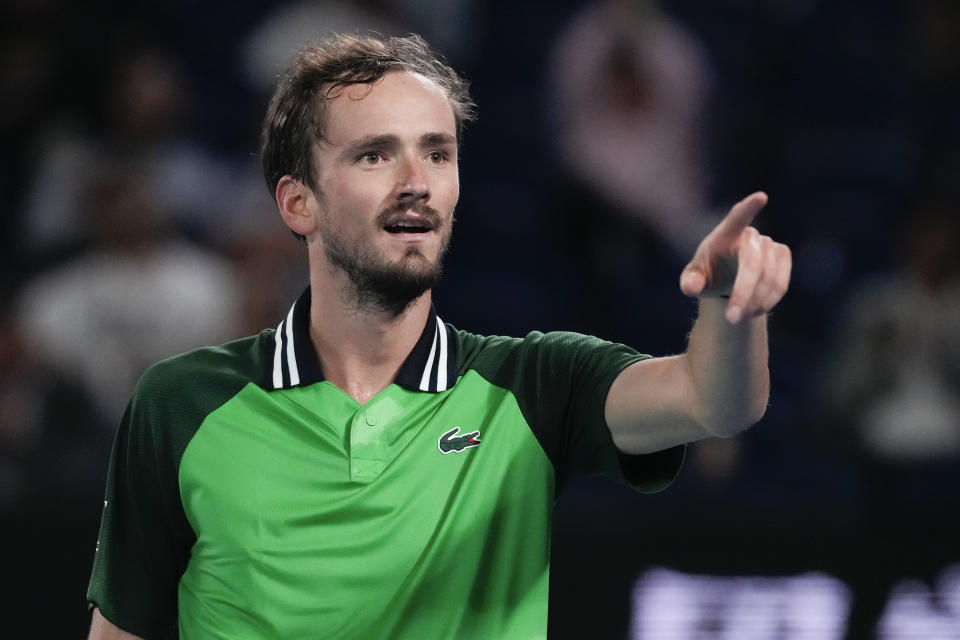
x=452, y=442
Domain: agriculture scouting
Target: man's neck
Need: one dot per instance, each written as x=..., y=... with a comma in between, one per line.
x=361, y=350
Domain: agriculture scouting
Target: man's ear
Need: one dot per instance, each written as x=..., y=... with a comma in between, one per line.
x=293, y=200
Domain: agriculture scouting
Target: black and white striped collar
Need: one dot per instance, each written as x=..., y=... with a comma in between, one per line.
x=431, y=365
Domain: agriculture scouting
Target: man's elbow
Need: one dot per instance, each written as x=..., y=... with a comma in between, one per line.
x=733, y=421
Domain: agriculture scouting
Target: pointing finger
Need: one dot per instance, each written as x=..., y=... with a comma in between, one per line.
x=741, y=215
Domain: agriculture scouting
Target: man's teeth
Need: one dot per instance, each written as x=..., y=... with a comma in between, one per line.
x=407, y=227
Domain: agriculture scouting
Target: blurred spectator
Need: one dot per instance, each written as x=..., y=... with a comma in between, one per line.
x=291, y=25
x=630, y=86
x=52, y=444
x=629, y=202
x=142, y=123
x=449, y=25
x=47, y=68
x=270, y=263
x=895, y=378
x=137, y=296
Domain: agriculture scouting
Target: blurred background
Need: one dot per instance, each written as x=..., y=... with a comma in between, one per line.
x=611, y=136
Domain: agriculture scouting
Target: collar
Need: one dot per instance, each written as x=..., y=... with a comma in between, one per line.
x=431, y=365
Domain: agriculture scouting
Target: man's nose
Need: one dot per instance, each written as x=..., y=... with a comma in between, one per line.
x=412, y=181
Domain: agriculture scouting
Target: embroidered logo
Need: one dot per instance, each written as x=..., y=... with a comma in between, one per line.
x=451, y=442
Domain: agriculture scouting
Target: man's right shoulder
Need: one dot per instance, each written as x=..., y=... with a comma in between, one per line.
x=203, y=378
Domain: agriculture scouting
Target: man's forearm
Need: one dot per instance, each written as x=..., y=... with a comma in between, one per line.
x=728, y=367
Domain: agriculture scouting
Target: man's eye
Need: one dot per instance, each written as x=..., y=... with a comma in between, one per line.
x=371, y=157
x=438, y=157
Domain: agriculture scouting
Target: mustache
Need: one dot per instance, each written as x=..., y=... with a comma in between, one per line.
x=424, y=211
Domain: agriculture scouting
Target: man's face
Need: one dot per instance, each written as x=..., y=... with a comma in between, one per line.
x=388, y=184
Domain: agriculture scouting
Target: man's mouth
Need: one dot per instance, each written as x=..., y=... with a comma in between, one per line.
x=409, y=226
x=410, y=222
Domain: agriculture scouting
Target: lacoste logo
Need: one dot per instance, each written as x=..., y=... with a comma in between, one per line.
x=451, y=442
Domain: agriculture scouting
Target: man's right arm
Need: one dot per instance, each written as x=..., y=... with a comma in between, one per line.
x=103, y=629
x=145, y=538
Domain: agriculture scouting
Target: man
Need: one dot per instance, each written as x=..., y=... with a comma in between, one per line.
x=367, y=471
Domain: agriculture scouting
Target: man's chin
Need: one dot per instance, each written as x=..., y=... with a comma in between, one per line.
x=414, y=264
x=392, y=288
x=385, y=283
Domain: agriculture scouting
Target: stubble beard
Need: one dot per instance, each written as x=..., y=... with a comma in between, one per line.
x=378, y=285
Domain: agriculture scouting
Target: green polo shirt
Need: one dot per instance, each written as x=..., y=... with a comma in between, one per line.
x=250, y=498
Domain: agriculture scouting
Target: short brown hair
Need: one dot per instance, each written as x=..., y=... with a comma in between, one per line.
x=294, y=122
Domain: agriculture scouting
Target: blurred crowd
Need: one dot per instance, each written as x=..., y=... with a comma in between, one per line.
x=612, y=135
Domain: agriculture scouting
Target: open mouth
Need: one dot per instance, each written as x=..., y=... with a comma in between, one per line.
x=409, y=222
x=409, y=226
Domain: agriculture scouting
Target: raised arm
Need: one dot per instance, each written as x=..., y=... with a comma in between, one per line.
x=720, y=385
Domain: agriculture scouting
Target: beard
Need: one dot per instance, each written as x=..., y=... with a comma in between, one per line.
x=377, y=284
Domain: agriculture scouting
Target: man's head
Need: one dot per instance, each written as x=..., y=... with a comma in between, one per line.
x=296, y=116
x=360, y=144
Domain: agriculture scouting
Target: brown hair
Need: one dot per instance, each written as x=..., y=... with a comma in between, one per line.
x=294, y=122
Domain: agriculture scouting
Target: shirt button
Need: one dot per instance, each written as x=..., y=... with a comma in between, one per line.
x=371, y=419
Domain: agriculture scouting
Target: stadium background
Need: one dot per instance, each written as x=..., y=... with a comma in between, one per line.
x=846, y=112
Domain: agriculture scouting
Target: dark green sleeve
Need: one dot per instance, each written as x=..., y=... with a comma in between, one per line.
x=561, y=381
x=145, y=539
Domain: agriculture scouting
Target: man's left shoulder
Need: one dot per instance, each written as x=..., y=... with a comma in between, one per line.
x=496, y=355
x=472, y=345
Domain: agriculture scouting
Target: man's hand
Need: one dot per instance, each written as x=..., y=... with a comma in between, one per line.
x=721, y=384
x=735, y=260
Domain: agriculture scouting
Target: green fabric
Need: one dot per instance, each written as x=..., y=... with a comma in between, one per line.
x=314, y=522
x=298, y=513
x=561, y=380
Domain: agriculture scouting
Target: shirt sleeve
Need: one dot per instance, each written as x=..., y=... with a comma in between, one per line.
x=561, y=381
x=145, y=539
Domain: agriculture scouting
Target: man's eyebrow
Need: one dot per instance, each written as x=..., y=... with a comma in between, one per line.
x=378, y=141
x=436, y=139
x=388, y=141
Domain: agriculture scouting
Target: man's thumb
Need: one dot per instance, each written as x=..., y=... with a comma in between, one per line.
x=692, y=281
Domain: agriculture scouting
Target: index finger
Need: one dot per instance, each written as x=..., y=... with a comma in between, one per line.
x=741, y=215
